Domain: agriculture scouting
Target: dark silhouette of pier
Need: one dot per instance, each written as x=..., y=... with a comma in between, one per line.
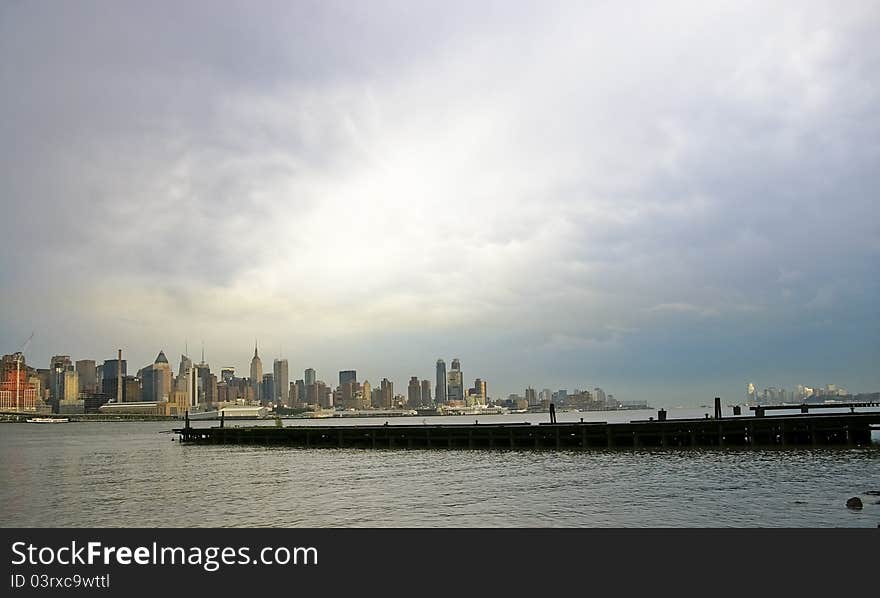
x=790, y=431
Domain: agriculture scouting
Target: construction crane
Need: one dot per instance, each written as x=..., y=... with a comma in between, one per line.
x=19, y=357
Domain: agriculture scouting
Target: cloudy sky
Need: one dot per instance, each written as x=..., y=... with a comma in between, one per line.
x=668, y=200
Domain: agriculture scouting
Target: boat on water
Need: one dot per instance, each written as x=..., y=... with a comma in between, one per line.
x=48, y=420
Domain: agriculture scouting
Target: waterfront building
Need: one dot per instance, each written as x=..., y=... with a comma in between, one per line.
x=386, y=394
x=440, y=389
x=268, y=391
x=346, y=376
x=156, y=379
x=70, y=385
x=111, y=371
x=366, y=395
x=425, y=399
x=17, y=391
x=479, y=391
x=455, y=383
x=87, y=373
x=256, y=374
x=281, y=380
x=57, y=366
x=414, y=392
x=300, y=393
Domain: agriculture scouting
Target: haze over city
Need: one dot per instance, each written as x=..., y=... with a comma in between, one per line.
x=668, y=203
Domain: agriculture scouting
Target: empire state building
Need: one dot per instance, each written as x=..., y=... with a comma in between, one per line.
x=256, y=374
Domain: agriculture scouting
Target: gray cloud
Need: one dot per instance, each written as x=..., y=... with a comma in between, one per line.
x=650, y=199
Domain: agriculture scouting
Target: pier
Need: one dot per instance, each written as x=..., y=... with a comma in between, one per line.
x=790, y=431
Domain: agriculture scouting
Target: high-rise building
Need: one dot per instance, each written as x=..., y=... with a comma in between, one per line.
x=425, y=399
x=111, y=372
x=300, y=392
x=268, y=386
x=455, y=382
x=309, y=377
x=386, y=390
x=88, y=375
x=440, y=389
x=57, y=366
x=282, y=379
x=367, y=394
x=256, y=375
x=227, y=374
x=346, y=376
x=480, y=390
x=156, y=379
x=70, y=385
x=531, y=397
x=414, y=392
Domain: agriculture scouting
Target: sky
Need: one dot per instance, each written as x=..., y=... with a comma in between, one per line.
x=667, y=200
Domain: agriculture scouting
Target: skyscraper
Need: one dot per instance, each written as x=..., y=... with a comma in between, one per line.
x=268, y=387
x=57, y=366
x=87, y=372
x=257, y=375
x=309, y=377
x=455, y=383
x=440, y=390
x=281, y=379
x=386, y=390
x=367, y=394
x=346, y=376
x=414, y=392
x=426, y=393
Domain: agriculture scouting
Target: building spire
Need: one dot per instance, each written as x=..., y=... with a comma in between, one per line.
x=255, y=349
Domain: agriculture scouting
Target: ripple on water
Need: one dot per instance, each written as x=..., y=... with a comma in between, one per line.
x=130, y=475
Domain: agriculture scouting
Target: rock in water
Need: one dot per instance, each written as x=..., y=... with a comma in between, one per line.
x=854, y=503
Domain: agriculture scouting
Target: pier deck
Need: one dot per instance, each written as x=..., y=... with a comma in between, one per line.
x=850, y=429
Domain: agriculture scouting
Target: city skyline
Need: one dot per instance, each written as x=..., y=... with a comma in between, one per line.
x=670, y=206
x=795, y=391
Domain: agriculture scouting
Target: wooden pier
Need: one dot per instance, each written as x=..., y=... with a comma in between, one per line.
x=792, y=431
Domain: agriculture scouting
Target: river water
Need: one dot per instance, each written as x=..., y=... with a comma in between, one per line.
x=138, y=475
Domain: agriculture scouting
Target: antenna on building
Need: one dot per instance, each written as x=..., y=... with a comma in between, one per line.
x=203, y=351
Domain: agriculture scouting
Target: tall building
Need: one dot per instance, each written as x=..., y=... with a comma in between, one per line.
x=57, y=366
x=414, y=392
x=386, y=393
x=256, y=375
x=455, y=382
x=481, y=390
x=282, y=380
x=17, y=391
x=112, y=370
x=88, y=375
x=425, y=399
x=346, y=376
x=531, y=396
x=156, y=379
x=309, y=377
x=70, y=385
x=367, y=392
x=227, y=374
x=440, y=389
x=268, y=386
